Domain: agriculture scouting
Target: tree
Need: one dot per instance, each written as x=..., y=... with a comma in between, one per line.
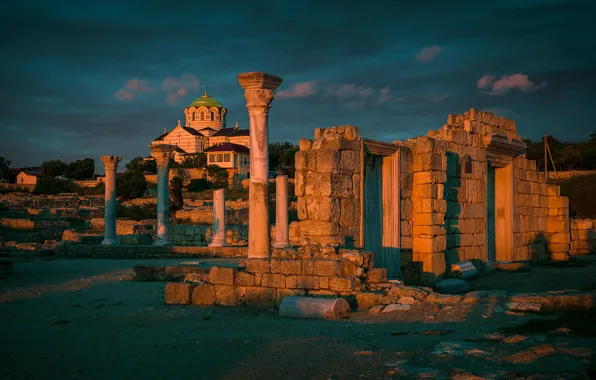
x=142, y=165
x=53, y=168
x=5, y=173
x=131, y=185
x=176, y=198
x=282, y=157
x=81, y=169
x=218, y=175
x=194, y=160
x=53, y=185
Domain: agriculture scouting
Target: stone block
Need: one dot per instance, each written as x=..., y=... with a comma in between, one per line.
x=178, y=293
x=226, y=295
x=203, y=294
x=317, y=228
x=352, y=256
x=553, y=190
x=257, y=296
x=328, y=161
x=396, y=307
x=433, y=266
x=347, y=269
x=376, y=275
x=341, y=284
x=324, y=282
x=299, y=184
x=305, y=144
x=244, y=279
x=425, y=191
x=302, y=282
x=560, y=237
x=325, y=267
x=221, y=276
x=429, y=244
x=348, y=213
x=366, y=300
x=300, y=161
x=342, y=186
x=195, y=277
x=258, y=265
x=273, y=280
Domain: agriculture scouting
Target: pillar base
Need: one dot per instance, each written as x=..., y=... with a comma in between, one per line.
x=111, y=241
x=219, y=243
x=258, y=254
x=281, y=245
x=161, y=243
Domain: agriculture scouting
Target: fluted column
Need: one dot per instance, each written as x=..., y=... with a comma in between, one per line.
x=218, y=231
x=258, y=92
x=281, y=212
x=162, y=154
x=110, y=164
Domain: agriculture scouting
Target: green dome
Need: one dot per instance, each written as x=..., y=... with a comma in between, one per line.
x=206, y=101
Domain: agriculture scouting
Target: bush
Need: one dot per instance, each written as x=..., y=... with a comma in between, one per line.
x=98, y=189
x=51, y=185
x=135, y=212
x=131, y=185
x=200, y=184
x=7, y=190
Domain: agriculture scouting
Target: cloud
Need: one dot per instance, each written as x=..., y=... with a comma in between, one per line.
x=299, y=90
x=384, y=95
x=177, y=88
x=508, y=82
x=123, y=95
x=429, y=53
x=138, y=85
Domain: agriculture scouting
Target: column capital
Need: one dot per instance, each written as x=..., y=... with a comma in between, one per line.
x=162, y=153
x=110, y=162
x=258, y=89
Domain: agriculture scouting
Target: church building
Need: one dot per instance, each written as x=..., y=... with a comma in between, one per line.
x=205, y=131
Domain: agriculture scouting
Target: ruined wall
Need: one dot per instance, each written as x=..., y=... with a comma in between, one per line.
x=583, y=236
x=327, y=184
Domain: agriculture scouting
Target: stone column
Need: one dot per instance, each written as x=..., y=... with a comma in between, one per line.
x=218, y=231
x=162, y=154
x=110, y=164
x=258, y=92
x=281, y=212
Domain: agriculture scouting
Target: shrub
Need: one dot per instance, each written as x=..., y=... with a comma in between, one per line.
x=131, y=185
x=136, y=212
x=51, y=185
x=580, y=191
x=200, y=184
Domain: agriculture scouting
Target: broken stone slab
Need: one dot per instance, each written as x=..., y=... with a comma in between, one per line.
x=408, y=291
x=510, y=267
x=452, y=286
x=524, y=306
x=464, y=270
x=311, y=307
x=178, y=293
x=376, y=309
x=396, y=307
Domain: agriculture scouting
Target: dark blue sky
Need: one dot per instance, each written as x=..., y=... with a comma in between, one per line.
x=88, y=78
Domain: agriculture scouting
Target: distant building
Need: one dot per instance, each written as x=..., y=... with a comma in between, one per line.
x=235, y=158
x=28, y=177
x=205, y=128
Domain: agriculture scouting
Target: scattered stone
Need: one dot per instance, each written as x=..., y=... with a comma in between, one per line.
x=363, y=353
x=310, y=307
x=466, y=376
x=524, y=306
x=578, y=352
x=444, y=299
x=408, y=291
x=452, y=286
x=396, y=307
x=376, y=309
x=452, y=348
x=522, y=357
x=487, y=337
x=560, y=332
x=485, y=296
x=514, y=339
x=196, y=277
x=543, y=350
x=406, y=301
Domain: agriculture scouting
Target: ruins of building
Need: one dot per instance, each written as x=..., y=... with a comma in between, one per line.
x=463, y=192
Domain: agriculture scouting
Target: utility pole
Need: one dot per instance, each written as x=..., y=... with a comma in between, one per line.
x=545, y=158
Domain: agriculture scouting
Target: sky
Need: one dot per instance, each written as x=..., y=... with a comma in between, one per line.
x=91, y=78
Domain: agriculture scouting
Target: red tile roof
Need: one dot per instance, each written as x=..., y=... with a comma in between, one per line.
x=228, y=147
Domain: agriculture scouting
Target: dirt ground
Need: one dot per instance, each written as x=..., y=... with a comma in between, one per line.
x=86, y=319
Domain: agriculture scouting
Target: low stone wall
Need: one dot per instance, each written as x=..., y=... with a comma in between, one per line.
x=570, y=174
x=28, y=224
x=583, y=236
x=126, y=226
x=16, y=187
x=204, y=215
x=71, y=236
x=145, y=251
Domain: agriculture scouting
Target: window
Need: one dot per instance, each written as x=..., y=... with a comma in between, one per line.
x=193, y=116
x=227, y=157
x=212, y=158
x=212, y=116
x=220, y=157
x=202, y=115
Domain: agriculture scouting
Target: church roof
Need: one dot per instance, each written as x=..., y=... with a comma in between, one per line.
x=228, y=147
x=192, y=131
x=206, y=101
x=232, y=132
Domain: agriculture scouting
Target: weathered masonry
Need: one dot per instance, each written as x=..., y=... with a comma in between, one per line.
x=463, y=192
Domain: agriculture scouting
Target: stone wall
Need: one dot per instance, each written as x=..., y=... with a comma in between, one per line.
x=28, y=224
x=558, y=233
x=312, y=270
x=126, y=226
x=145, y=251
x=583, y=236
x=570, y=174
x=204, y=215
x=327, y=184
